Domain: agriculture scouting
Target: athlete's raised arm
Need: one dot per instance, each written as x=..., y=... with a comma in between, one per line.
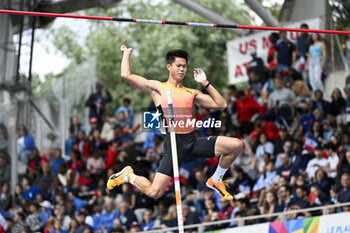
x=214, y=99
x=133, y=79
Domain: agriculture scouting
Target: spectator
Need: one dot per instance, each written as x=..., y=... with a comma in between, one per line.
x=82, y=146
x=210, y=209
x=154, y=153
x=148, y=222
x=96, y=142
x=58, y=160
x=338, y=103
x=36, y=164
x=45, y=181
x=82, y=227
x=300, y=87
x=171, y=219
x=107, y=132
x=74, y=128
x=315, y=163
x=65, y=178
x=316, y=61
x=284, y=200
x=334, y=194
x=286, y=170
x=322, y=104
x=322, y=181
x=75, y=165
x=256, y=71
x=77, y=202
x=94, y=125
x=88, y=218
x=269, y=204
x=29, y=191
x=333, y=160
x=97, y=103
x=242, y=182
x=135, y=227
x=189, y=218
x=58, y=227
x=19, y=222
x=25, y=145
x=307, y=118
x=129, y=195
x=242, y=203
x=73, y=226
x=284, y=52
x=264, y=146
x=95, y=164
x=302, y=51
x=5, y=168
x=85, y=181
x=5, y=196
x=287, y=149
x=129, y=113
x=126, y=215
x=299, y=158
x=246, y=108
x=160, y=212
x=314, y=137
x=280, y=102
x=301, y=202
x=268, y=127
x=46, y=211
x=346, y=51
x=267, y=178
x=33, y=220
x=111, y=156
x=284, y=137
x=273, y=38
x=59, y=213
x=343, y=165
x=344, y=193
x=225, y=209
x=317, y=196
x=123, y=140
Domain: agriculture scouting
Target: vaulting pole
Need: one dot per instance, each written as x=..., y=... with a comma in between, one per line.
x=173, y=146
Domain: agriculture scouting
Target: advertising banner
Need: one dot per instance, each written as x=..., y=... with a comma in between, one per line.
x=238, y=50
x=335, y=223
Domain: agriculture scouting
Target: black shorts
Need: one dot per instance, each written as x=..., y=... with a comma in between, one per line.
x=188, y=146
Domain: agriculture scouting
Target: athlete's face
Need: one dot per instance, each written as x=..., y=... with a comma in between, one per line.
x=178, y=68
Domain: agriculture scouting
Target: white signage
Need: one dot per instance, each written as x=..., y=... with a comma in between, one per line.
x=335, y=223
x=238, y=50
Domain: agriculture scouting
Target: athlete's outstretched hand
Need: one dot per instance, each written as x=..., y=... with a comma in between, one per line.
x=125, y=48
x=199, y=76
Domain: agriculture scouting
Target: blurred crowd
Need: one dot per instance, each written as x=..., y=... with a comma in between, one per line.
x=297, y=155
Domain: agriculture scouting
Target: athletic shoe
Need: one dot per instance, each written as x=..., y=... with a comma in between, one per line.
x=219, y=187
x=120, y=177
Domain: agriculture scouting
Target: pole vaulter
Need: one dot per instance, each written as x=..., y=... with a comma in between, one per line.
x=151, y=21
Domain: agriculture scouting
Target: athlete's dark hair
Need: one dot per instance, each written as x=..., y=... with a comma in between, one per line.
x=172, y=54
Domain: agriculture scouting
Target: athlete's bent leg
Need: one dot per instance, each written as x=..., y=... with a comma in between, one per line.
x=229, y=149
x=154, y=189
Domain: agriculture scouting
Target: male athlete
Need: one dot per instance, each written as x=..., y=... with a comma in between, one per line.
x=187, y=144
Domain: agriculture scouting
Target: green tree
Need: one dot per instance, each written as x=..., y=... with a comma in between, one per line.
x=341, y=13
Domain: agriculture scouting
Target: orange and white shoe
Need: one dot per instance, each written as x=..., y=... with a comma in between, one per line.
x=219, y=187
x=120, y=177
